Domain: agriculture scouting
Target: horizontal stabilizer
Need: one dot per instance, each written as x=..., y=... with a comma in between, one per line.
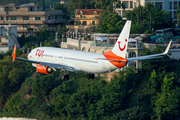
x=142, y=58
x=150, y=56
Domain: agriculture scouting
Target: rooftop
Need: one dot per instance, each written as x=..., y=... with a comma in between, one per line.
x=25, y=5
x=88, y=11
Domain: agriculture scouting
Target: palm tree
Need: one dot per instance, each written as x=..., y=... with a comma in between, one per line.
x=30, y=30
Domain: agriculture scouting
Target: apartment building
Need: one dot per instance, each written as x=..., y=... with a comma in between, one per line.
x=29, y=15
x=167, y=5
x=85, y=18
x=8, y=37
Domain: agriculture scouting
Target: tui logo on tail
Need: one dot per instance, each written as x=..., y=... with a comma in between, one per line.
x=122, y=49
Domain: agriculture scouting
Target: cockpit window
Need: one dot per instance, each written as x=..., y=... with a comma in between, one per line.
x=30, y=52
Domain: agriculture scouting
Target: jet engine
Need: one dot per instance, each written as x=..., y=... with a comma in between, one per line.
x=43, y=69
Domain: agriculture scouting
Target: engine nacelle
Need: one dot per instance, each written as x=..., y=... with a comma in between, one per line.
x=44, y=70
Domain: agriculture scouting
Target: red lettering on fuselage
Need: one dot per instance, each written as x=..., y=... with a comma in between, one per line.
x=39, y=53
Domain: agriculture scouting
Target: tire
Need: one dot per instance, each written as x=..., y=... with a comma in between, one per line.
x=67, y=77
x=89, y=76
x=92, y=76
x=63, y=77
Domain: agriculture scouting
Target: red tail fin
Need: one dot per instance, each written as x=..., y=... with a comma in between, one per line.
x=14, y=53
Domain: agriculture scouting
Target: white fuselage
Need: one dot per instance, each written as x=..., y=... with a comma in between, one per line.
x=80, y=60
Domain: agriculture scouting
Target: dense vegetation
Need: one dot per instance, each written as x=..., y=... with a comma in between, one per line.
x=148, y=18
x=148, y=93
x=145, y=20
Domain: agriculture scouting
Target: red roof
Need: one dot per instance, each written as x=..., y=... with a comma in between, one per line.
x=88, y=11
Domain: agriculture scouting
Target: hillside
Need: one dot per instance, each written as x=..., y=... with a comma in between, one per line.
x=148, y=93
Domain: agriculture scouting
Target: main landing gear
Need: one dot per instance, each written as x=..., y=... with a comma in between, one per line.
x=90, y=76
x=64, y=76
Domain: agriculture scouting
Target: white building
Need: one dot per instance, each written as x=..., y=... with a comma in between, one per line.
x=167, y=5
x=8, y=37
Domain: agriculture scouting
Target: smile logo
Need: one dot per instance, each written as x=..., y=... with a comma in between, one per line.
x=122, y=49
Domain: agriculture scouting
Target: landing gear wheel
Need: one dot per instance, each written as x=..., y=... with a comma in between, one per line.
x=90, y=76
x=65, y=77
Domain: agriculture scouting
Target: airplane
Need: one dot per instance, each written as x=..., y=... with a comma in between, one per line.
x=48, y=59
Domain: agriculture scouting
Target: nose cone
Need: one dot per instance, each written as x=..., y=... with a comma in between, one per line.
x=28, y=56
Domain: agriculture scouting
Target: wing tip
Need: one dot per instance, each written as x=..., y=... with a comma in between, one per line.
x=167, y=49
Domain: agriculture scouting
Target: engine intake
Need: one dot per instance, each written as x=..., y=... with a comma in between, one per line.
x=44, y=70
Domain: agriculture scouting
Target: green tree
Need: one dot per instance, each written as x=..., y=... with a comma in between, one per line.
x=45, y=34
x=58, y=29
x=166, y=102
x=30, y=30
x=113, y=97
x=155, y=81
x=159, y=64
x=43, y=85
x=64, y=8
x=79, y=4
x=148, y=17
x=26, y=40
x=135, y=113
x=137, y=28
x=59, y=6
x=12, y=75
x=111, y=23
x=43, y=27
x=108, y=5
x=178, y=16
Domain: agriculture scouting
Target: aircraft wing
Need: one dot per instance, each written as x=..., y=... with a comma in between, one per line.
x=53, y=65
x=59, y=66
x=150, y=56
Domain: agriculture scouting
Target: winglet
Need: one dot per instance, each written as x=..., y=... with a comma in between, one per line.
x=167, y=49
x=14, y=53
